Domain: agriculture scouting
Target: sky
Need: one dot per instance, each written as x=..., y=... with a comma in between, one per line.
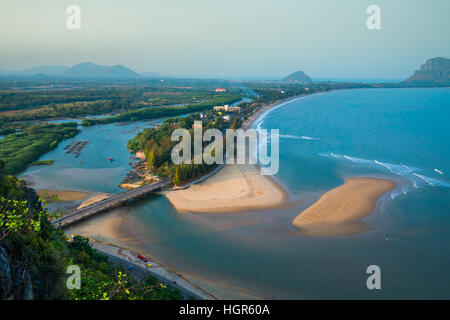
x=228, y=38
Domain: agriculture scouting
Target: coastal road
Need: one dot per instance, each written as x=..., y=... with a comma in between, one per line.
x=111, y=202
x=129, y=257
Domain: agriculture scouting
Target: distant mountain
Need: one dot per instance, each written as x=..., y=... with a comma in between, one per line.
x=297, y=77
x=150, y=74
x=41, y=70
x=46, y=70
x=81, y=70
x=91, y=70
x=433, y=71
x=6, y=72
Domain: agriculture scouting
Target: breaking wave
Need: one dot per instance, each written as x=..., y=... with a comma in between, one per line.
x=416, y=179
x=288, y=136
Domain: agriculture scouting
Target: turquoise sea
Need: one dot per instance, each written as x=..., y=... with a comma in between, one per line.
x=399, y=134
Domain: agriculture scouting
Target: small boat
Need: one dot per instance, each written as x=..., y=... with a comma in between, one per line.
x=111, y=159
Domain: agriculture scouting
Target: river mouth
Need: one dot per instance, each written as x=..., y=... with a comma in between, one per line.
x=259, y=254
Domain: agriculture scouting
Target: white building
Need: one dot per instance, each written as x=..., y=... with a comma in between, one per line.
x=227, y=108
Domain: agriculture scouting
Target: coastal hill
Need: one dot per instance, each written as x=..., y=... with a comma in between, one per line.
x=297, y=77
x=433, y=71
x=81, y=70
x=91, y=70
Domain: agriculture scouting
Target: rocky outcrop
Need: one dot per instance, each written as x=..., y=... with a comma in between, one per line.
x=6, y=282
x=28, y=261
x=433, y=71
x=297, y=77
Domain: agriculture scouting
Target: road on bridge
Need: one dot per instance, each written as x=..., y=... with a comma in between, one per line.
x=108, y=203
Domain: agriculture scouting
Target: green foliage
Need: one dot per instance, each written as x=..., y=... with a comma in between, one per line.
x=150, y=156
x=160, y=112
x=157, y=147
x=36, y=249
x=23, y=100
x=34, y=105
x=6, y=131
x=101, y=280
x=43, y=162
x=34, y=130
x=81, y=244
x=15, y=216
x=19, y=150
x=176, y=177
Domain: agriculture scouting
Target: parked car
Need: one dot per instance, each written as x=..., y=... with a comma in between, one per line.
x=142, y=258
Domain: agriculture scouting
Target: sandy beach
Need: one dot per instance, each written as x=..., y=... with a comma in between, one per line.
x=63, y=195
x=337, y=211
x=234, y=188
x=93, y=199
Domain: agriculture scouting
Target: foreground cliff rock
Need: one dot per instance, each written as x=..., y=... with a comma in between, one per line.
x=30, y=260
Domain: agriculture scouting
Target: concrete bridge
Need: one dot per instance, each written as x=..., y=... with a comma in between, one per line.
x=111, y=202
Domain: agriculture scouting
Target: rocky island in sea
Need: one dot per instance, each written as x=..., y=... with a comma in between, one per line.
x=433, y=71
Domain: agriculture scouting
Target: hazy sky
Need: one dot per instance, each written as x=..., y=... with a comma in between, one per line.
x=228, y=38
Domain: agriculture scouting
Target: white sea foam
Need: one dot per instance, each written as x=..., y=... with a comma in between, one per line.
x=394, y=194
x=404, y=190
x=417, y=180
x=288, y=136
x=387, y=166
x=432, y=181
x=407, y=167
x=351, y=158
x=438, y=171
x=308, y=138
x=424, y=179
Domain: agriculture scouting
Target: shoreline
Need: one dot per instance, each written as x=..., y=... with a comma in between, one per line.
x=337, y=212
x=232, y=188
x=223, y=192
x=255, y=115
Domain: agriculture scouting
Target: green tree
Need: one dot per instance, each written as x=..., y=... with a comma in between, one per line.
x=33, y=130
x=176, y=177
x=151, y=159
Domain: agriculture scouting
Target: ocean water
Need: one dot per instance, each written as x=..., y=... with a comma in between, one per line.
x=399, y=134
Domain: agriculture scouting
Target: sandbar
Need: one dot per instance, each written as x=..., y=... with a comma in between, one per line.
x=62, y=195
x=337, y=211
x=93, y=199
